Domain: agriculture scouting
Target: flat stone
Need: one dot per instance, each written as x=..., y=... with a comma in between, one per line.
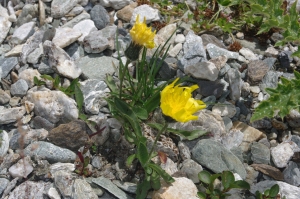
x=234, y=80
x=257, y=69
x=269, y=170
x=191, y=168
x=30, y=189
x=31, y=44
x=82, y=189
x=7, y=64
x=215, y=51
x=125, y=13
x=21, y=169
x=248, y=54
x=95, y=42
x=22, y=33
x=64, y=182
x=11, y=114
x=71, y=135
x=203, y=70
x=260, y=153
x=96, y=67
x=49, y=152
x=15, y=51
x=292, y=174
x=111, y=187
x=85, y=27
x=232, y=139
x=4, y=97
x=224, y=109
x=207, y=39
x=115, y=4
x=65, y=36
x=211, y=88
x=217, y=158
x=126, y=186
x=77, y=19
x=3, y=184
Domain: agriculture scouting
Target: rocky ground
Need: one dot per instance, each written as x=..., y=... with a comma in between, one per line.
x=76, y=39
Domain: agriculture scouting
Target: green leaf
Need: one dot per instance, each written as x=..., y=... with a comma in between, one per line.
x=111, y=83
x=162, y=173
x=78, y=97
x=297, y=53
x=48, y=77
x=201, y=195
x=140, y=112
x=82, y=116
x=155, y=181
x=204, y=176
x=130, y=159
x=240, y=184
x=274, y=190
x=267, y=192
x=152, y=102
x=142, y=189
x=142, y=154
x=86, y=161
x=190, y=135
x=227, y=179
x=258, y=195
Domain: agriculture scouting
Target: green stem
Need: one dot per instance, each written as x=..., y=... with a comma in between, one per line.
x=122, y=72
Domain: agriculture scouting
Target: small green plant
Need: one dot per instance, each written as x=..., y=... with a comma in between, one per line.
x=73, y=90
x=271, y=193
x=228, y=183
x=282, y=99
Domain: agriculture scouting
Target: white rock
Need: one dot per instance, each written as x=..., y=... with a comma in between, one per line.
x=147, y=11
x=181, y=188
x=22, y=168
x=254, y=89
x=65, y=36
x=11, y=114
x=281, y=154
x=203, y=70
x=28, y=75
x=60, y=61
x=115, y=4
x=224, y=109
x=248, y=54
x=69, y=167
x=175, y=50
x=180, y=38
x=285, y=189
x=29, y=189
x=4, y=143
x=271, y=52
x=85, y=27
x=22, y=33
x=35, y=55
x=54, y=106
x=60, y=8
x=5, y=24
x=170, y=167
x=15, y=52
x=53, y=193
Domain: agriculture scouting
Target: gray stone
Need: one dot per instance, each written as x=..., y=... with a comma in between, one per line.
x=60, y=61
x=54, y=106
x=100, y=16
x=65, y=36
x=11, y=114
x=248, y=54
x=75, y=51
x=22, y=33
x=215, y=51
x=30, y=189
x=111, y=187
x=207, y=39
x=147, y=11
x=115, y=4
x=227, y=122
x=217, y=158
x=256, y=71
x=293, y=118
x=96, y=67
x=211, y=88
x=64, y=182
x=4, y=143
x=95, y=42
x=193, y=51
x=66, y=167
x=49, y=152
x=224, y=109
x=232, y=139
x=292, y=174
x=19, y=88
x=7, y=64
x=29, y=11
x=5, y=24
x=234, y=80
x=33, y=58
x=191, y=168
x=3, y=184
x=28, y=75
x=31, y=44
x=61, y=8
x=285, y=189
x=202, y=70
x=184, y=150
x=260, y=153
x=126, y=186
x=76, y=20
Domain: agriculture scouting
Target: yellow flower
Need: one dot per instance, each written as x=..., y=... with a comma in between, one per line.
x=141, y=34
x=177, y=102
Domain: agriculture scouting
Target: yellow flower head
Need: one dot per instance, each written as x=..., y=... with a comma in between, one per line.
x=141, y=34
x=177, y=102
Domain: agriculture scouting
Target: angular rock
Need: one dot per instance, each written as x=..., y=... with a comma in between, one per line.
x=54, y=106
x=215, y=51
x=76, y=20
x=191, y=168
x=19, y=88
x=60, y=61
x=224, y=109
x=100, y=16
x=125, y=13
x=211, y=88
x=250, y=134
x=203, y=70
x=4, y=97
x=7, y=64
x=232, y=139
x=217, y=158
x=281, y=154
x=260, y=153
x=248, y=54
x=234, y=80
x=5, y=24
x=82, y=189
x=29, y=189
x=71, y=135
x=3, y=184
x=293, y=118
x=22, y=33
x=85, y=27
x=49, y=152
x=207, y=39
x=95, y=42
x=65, y=36
x=269, y=170
x=22, y=168
x=181, y=188
x=31, y=44
x=292, y=174
x=147, y=11
x=256, y=71
x=61, y=8
x=11, y=114
x=64, y=182
x=4, y=145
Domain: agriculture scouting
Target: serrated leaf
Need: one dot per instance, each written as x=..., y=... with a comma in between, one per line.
x=227, y=179
x=274, y=190
x=204, y=176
